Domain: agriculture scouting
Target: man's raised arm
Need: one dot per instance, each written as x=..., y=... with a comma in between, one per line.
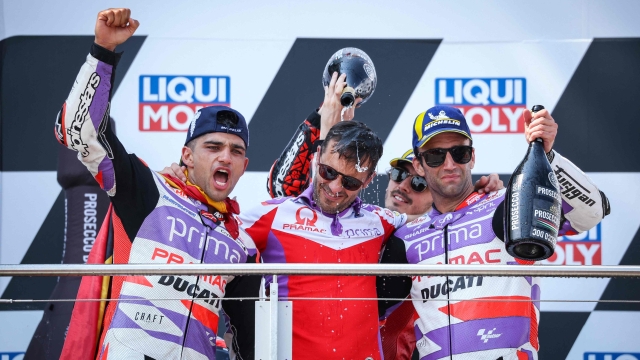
x=583, y=204
x=83, y=124
x=291, y=172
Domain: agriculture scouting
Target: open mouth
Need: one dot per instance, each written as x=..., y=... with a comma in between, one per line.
x=398, y=198
x=330, y=195
x=396, y=195
x=221, y=177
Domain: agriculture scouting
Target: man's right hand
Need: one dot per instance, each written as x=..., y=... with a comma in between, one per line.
x=114, y=27
x=331, y=109
x=176, y=171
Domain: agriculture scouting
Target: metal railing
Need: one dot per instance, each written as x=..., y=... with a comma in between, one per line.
x=276, y=314
x=582, y=271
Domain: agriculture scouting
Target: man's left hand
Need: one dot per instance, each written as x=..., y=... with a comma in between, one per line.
x=540, y=125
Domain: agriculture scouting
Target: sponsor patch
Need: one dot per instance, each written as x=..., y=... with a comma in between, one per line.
x=169, y=102
x=490, y=105
x=74, y=132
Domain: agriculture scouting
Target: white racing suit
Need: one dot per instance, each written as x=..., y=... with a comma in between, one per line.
x=475, y=317
x=159, y=225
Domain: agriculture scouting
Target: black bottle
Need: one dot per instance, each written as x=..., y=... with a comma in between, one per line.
x=361, y=75
x=532, y=206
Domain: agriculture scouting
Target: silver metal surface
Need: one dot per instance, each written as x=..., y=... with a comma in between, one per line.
x=320, y=269
x=277, y=317
x=273, y=299
x=291, y=299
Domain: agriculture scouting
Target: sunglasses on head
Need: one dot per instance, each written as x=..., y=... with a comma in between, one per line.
x=436, y=157
x=418, y=183
x=348, y=182
x=227, y=118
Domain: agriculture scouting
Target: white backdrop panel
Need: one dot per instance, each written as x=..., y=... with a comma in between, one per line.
x=466, y=20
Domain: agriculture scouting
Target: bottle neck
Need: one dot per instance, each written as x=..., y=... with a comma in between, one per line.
x=537, y=144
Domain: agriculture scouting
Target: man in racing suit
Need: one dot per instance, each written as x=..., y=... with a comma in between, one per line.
x=328, y=223
x=161, y=219
x=475, y=317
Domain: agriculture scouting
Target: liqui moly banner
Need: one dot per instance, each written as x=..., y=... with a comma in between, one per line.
x=490, y=105
x=168, y=102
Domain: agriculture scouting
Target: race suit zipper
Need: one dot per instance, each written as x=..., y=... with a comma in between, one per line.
x=446, y=283
x=204, y=247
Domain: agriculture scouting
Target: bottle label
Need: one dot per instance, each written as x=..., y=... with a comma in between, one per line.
x=540, y=190
x=515, y=202
x=541, y=234
x=546, y=215
x=554, y=180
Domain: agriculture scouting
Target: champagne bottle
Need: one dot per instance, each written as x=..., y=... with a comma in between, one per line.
x=532, y=206
x=361, y=75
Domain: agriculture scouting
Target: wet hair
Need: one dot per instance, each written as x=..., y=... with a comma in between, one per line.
x=356, y=143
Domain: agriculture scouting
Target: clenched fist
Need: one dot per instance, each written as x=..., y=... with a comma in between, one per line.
x=114, y=27
x=540, y=125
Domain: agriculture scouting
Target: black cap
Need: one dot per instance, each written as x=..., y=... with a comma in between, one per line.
x=218, y=119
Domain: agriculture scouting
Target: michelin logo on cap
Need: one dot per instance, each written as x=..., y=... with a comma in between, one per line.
x=440, y=119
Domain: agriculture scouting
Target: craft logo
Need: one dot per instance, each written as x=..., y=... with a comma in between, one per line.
x=611, y=356
x=490, y=105
x=168, y=102
x=581, y=249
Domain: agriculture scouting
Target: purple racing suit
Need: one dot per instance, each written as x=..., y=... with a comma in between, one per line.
x=475, y=317
x=165, y=226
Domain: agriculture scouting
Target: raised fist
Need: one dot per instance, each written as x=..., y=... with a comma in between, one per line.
x=114, y=27
x=540, y=125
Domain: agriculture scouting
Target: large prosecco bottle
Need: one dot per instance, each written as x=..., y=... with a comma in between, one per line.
x=361, y=75
x=532, y=206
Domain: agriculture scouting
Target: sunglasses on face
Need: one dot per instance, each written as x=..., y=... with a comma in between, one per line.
x=348, y=182
x=418, y=183
x=436, y=157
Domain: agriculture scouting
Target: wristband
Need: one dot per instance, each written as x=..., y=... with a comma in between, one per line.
x=551, y=155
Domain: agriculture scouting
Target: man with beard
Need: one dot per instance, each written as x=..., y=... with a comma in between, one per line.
x=328, y=223
x=407, y=192
x=474, y=317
